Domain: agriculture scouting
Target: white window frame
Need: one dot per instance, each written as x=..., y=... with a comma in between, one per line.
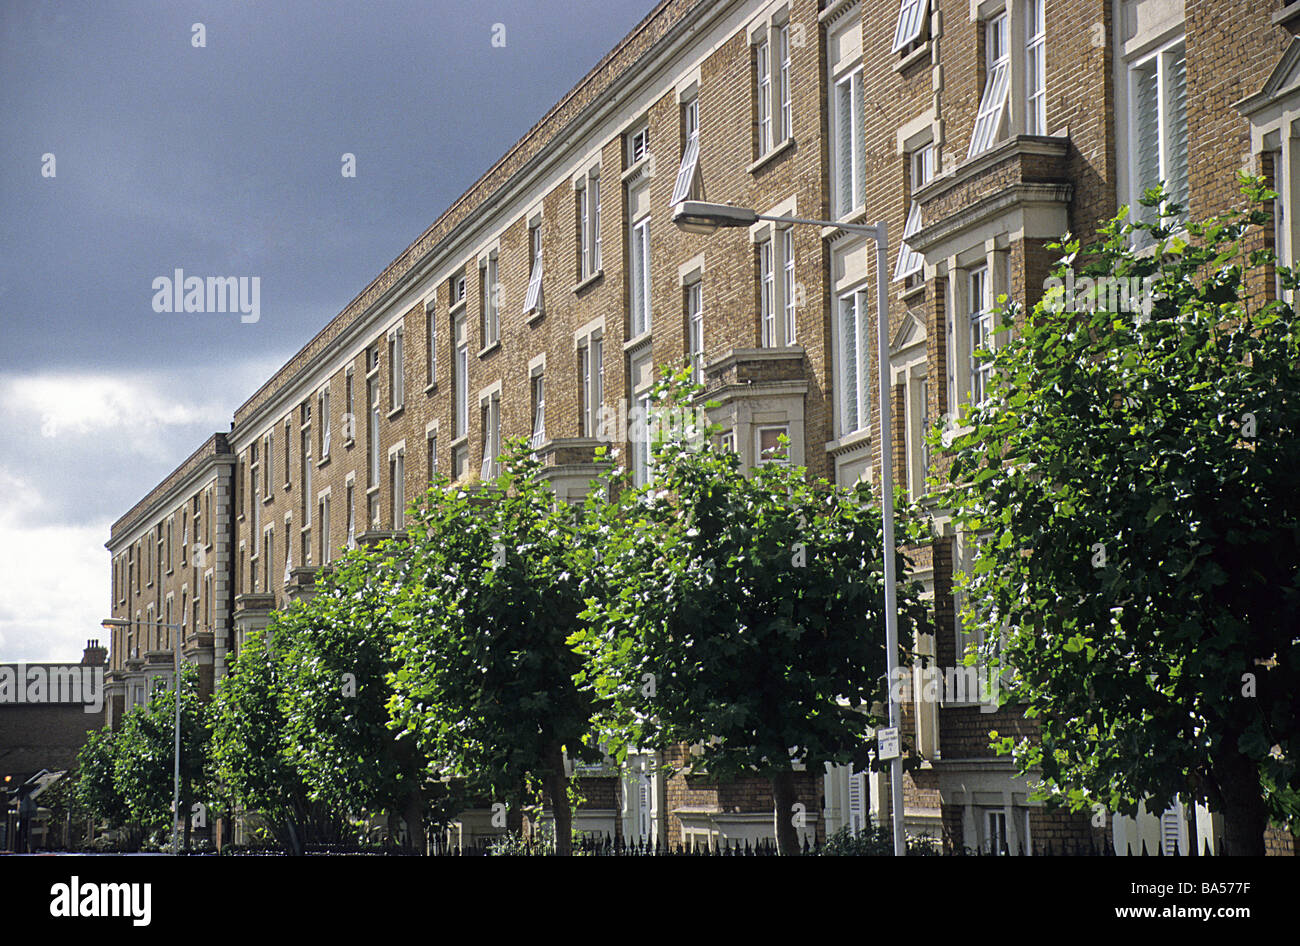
x=397, y=485
x=639, y=295
x=396, y=369
x=533, y=299
x=848, y=170
x=911, y=24
x=537, y=398
x=1161, y=58
x=638, y=143
x=694, y=291
x=491, y=325
x=1035, y=68
x=687, y=185
x=921, y=170
x=854, y=401
x=431, y=340
x=460, y=375
x=979, y=321
x=991, y=119
x=591, y=349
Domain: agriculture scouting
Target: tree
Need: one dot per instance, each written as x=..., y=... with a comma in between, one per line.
x=740, y=612
x=490, y=595
x=334, y=656
x=1135, y=474
x=96, y=787
x=144, y=754
x=251, y=753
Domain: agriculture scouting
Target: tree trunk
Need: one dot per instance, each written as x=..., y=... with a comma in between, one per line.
x=414, y=817
x=783, y=802
x=557, y=786
x=1245, y=817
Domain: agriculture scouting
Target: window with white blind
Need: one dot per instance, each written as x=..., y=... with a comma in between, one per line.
x=323, y=530
x=372, y=429
x=687, y=186
x=431, y=341
x=848, y=177
x=851, y=365
x=460, y=376
x=1158, y=125
x=641, y=435
x=490, y=413
x=396, y=370
x=533, y=300
x=990, y=120
x=639, y=277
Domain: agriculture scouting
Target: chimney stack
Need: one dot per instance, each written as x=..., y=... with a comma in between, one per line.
x=94, y=655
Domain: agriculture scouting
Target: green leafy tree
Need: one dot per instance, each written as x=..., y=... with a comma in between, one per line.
x=740, y=612
x=144, y=752
x=251, y=754
x=334, y=656
x=1135, y=476
x=492, y=592
x=96, y=786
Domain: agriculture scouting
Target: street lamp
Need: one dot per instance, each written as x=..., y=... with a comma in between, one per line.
x=111, y=623
x=697, y=216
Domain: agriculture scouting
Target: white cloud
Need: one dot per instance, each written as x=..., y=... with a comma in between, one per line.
x=53, y=579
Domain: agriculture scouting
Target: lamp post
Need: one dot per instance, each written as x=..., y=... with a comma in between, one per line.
x=111, y=623
x=696, y=216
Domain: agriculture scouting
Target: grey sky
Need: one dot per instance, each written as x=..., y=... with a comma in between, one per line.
x=223, y=160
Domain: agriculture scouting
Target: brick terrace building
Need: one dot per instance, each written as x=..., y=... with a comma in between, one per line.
x=979, y=129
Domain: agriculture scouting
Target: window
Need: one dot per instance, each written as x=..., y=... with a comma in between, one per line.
x=324, y=421
x=489, y=294
x=431, y=342
x=687, y=186
x=588, y=194
x=695, y=330
x=981, y=332
x=323, y=529
x=639, y=285
x=784, y=112
x=372, y=430
x=989, y=121
x=768, y=446
x=776, y=288
x=995, y=832
x=185, y=541
x=638, y=144
x=911, y=24
x=268, y=556
x=763, y=95
x=207, y=602
x=431, y=452
x=396, y=371
x=1158, y=125
x=306, y=466
x=267, y=452
x=920, y=173
x=490, y=413
x=460, y=376
x=288, y=458
x=457, y=290
x=352, y=514
x=533, y=300
x=397, y=486
x=538, y=393
x=767, y=294
x=918, y=451
x=1035, y=69
x=849, y=172
x=350, y=417
x=592, y=361
x=852, y=374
